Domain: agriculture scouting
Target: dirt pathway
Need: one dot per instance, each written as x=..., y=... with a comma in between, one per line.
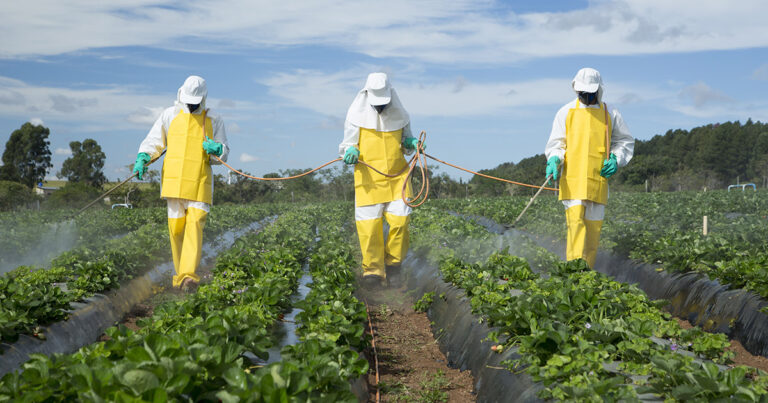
x=742, y=356
x=411, y=366
x=162, y=294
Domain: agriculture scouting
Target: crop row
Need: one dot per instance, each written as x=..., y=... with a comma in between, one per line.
x=30, y=232
x=663, y=229
x=32, y=297
x=198, y=348
x=583, y=336
x=331, y=324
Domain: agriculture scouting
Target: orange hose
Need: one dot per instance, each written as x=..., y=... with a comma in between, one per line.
x=275, y=179
x=415, y=160
x=491, y=177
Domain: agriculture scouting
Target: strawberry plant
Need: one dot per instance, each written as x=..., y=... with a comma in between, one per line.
x=32, y=297
x=583, y=336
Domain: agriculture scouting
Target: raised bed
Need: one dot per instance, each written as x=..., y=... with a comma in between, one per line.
x=88, y=320
x=692, y=296
x=462, y=337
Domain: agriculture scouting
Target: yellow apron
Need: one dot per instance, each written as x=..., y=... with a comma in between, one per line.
x=585, y=149
x=186, y=169
x=382, y=151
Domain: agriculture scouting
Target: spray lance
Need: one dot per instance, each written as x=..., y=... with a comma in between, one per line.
x=105, y=194
x=534, y=197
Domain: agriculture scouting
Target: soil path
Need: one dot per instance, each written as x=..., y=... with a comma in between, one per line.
x=742, y=356
x=163, y=294
x=411, y=366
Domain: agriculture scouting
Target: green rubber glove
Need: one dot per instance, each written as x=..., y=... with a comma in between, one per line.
x=212, y=147
x=351, y=155
x=139, y=166
x=552, y=168
x=609, y=167
x=410, y=143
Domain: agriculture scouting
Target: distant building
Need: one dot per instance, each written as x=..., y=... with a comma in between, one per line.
x=44, y=190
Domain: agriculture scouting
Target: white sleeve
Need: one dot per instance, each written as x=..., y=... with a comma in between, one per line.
x=622, y=143
x=407, y=135
x=351, y=137
x=155, y=141
x=220, y=136
x=556, y=143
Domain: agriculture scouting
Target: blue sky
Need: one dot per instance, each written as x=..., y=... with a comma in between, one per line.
x=483, y=78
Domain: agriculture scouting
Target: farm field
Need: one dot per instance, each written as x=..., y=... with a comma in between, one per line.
x=566, y=331
x=581, y=335
x=663, y=229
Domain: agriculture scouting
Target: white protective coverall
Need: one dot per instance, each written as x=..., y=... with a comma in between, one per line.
x=379, y=137
x=582, y=128
x=187, y=181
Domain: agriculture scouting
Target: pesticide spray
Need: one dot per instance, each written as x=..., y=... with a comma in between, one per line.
x=52, y=240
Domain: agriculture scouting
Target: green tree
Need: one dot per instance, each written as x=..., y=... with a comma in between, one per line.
x=85, y=165
x=14, y=195
x=531, y=170
x=492, y=187
x=72, y=195
x=27, y=156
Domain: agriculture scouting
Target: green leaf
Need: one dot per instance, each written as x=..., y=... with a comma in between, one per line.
x=236, y=377
x=140, y=380
x=277, y=378
x=226, y=397
x=159, y=396
x=684, y=392
x=138, y=355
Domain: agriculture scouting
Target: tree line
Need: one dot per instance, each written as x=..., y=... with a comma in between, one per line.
x=27, y=160
x=712, y=156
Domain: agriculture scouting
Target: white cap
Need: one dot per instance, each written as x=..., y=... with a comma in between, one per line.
x=587, y=80
x=378, y=88
x=193, y=91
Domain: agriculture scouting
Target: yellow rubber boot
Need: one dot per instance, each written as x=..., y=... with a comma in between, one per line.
x=176, y=230
x=192, y=248
x=398, y=239
x=577, y=231
x=592, y=240
x=371, y=236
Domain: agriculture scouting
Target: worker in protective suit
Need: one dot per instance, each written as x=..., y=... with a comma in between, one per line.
x=591, y=141
x=190, y=134
x=377, y=131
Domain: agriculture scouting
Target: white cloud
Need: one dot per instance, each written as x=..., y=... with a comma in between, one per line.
x=703, y=102
x=226, y=103
x=441, y=98
x=248, y=158
x=37, y=122
x=702, y=95
x=145, y=115
x=461, y=31
x=761, y=73
x=80, y=105
x=233, y=128
x=63, y=151
x=94, y=109
x=331, y=123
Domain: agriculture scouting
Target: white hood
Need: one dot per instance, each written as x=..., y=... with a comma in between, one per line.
x=362, y=114
x=588, y=80
x=193, y=91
